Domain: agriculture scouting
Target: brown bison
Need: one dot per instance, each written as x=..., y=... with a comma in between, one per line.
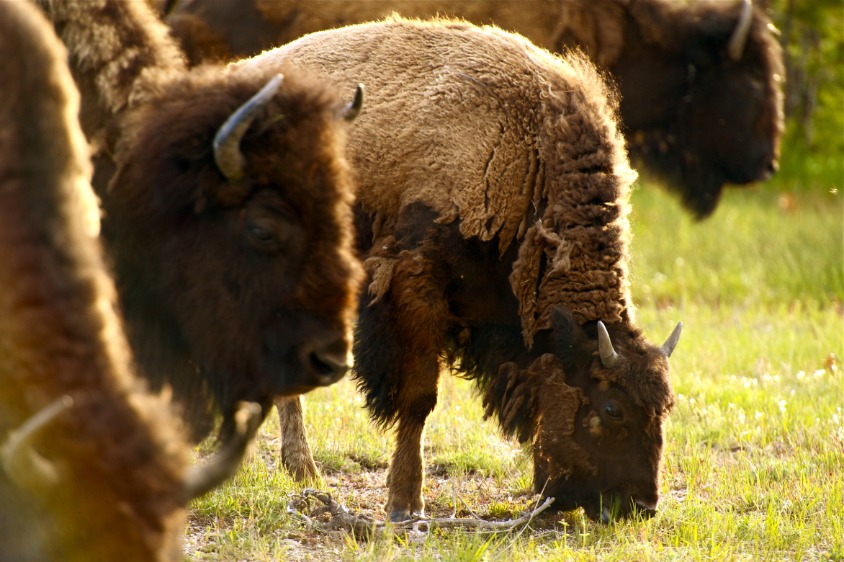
x=92, y=467
x=227, y=212
x=700, y=82
x=492, y=217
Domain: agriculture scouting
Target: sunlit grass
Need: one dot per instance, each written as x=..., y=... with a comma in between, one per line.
x=754, y=459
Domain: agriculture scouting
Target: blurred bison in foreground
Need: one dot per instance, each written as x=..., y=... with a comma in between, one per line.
x=227, y=212
x=492, y=217
x=92, y=467
x=700, y=82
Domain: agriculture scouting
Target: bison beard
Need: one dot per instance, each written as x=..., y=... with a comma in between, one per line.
x=492, y=220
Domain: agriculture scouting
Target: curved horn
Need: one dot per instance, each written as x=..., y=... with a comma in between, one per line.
x=351, y=111
x=608, y=355
x=227, y=153
x=669, y=345
x=736, y=45
x=203, y=478
x=24, y=466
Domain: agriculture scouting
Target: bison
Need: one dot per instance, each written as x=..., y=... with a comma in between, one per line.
x=92, y=466
x=491, y=216
x=700, y=83
x=227, y=212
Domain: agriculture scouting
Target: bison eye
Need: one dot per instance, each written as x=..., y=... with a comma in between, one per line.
x=613, y=411
x=263, y=238
x=261, y=234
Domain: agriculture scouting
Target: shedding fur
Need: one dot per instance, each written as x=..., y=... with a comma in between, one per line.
x=492, y=220
x=116, y=454
x=695, y=118
x=548, y=162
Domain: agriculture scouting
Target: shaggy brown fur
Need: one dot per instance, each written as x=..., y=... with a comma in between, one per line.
x=232, y=289
x=473, y=246
x=118, y=458
x=694, y=117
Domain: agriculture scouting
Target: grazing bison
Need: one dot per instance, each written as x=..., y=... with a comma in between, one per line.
x=492, y=218
x=93, y=467
x=700, y=83
x=227, y=212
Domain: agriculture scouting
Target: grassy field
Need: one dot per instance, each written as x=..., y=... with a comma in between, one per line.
x=754, y=461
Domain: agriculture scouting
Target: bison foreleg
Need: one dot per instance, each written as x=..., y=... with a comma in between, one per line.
x=295, y=452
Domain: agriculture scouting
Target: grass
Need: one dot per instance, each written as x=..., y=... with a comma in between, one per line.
x=754, y=460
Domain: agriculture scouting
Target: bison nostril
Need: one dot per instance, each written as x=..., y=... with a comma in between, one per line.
x=773, y=167
x=327, y=366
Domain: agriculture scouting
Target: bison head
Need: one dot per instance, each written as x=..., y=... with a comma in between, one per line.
x=592, y=403
x=229, y=220
x=703, y=104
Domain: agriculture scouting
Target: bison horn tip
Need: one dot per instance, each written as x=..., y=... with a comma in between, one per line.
x=351, y=111
x=227, y=154
x=24, y=466
x=605, y=349
x=735, y=47
x=203, y=478
x=671, y=342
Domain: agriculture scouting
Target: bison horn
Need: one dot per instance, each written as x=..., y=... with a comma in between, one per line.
x=24, y=466
x=736, y=45
x=201, y=479
x=227, y=152
x=351, y=111
x=669, y=345
x=608, y=355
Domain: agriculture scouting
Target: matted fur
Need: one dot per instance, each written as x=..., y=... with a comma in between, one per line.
x=694, y=118
x=492, y=206
x=119, y=455
x=548, y=171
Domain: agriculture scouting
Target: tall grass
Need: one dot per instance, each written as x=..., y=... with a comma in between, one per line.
x=754, y=460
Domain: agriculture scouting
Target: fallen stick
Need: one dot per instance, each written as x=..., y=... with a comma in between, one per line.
x=363, y=526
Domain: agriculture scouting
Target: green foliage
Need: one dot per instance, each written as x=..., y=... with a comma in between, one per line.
x=813, y=38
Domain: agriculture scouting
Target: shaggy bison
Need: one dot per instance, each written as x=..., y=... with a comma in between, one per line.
x=227, y=212
x=492, y=219
x=92, y=466
x=700, y=82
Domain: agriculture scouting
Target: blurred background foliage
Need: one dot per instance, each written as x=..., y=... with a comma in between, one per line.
x=812, y=34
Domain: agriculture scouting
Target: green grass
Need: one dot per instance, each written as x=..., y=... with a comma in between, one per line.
x=754, y=460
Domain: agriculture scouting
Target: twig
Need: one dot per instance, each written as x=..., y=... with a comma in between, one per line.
x=363, y=526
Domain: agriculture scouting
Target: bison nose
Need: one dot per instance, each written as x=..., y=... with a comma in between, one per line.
x=325, y=363
x=645, y=509
x=768, y=170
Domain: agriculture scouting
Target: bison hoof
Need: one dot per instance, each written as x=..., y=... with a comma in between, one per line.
x=400, y=516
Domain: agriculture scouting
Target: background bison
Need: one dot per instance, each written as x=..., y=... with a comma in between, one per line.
x=492, y=218
x=700, y=82
x=227, y=212
x=93, y=467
